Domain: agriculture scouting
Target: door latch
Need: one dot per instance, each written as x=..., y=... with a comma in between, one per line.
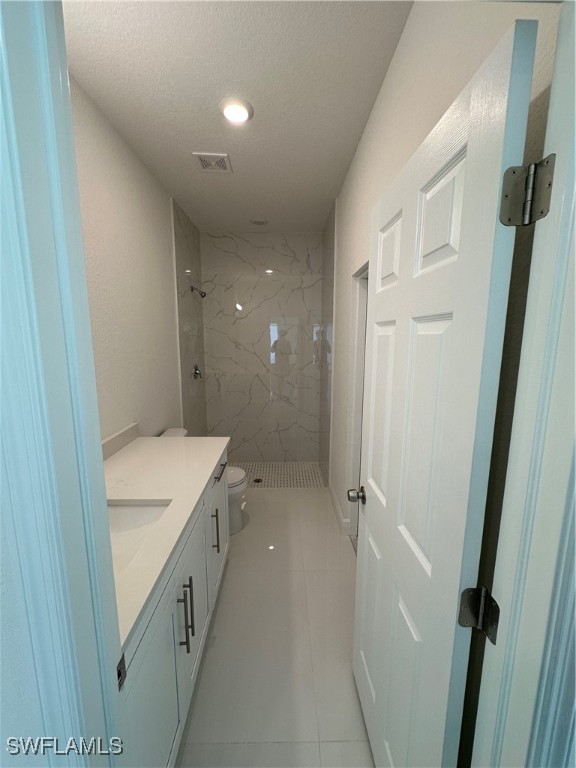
x=354, y=495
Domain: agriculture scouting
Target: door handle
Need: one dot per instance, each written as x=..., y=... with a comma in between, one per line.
x=354, y=495
x=217, y=545
x=192, y=624
x=186, y=641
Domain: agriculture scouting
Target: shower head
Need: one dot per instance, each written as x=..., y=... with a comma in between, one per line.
x=202, y=293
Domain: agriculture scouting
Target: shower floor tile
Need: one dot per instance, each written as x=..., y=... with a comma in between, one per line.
x=283, y=474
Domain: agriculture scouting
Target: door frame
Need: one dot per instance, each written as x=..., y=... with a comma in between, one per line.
x=359, y=290
x=52, y=455
x=522, y=676
x=70, y=568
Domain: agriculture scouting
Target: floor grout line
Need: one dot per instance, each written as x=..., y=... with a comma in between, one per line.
x=256, y=743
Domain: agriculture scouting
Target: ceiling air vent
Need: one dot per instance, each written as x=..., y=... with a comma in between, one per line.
x=214, y=161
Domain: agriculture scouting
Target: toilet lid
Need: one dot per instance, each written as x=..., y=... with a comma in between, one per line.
x=175, y=432
x=234, y=476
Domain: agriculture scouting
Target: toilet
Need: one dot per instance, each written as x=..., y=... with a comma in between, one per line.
x=236, y=480
x=175, y=432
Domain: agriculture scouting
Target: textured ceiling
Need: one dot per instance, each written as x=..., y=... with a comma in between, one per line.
x=312, y=71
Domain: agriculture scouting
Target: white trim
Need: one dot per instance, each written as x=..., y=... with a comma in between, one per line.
x=176, y=319
x=349, y=522
x=550, y=744
x=334, y=336
x=30, y=503
x=541, y=453
x=343, y=522
x=50, y=433
x=356, y=379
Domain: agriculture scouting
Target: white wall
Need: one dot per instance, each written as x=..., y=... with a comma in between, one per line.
x=442, y=45
x=126, y=222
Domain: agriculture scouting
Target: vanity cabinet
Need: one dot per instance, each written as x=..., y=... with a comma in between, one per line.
x=166, y=644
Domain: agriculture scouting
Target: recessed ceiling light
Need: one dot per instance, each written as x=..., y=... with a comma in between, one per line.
x=237, y=110
x=269, y=271
x=239, y=307
x=259, y=222
x=188, y=271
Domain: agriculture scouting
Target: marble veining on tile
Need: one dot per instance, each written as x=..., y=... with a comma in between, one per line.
x=263, y=341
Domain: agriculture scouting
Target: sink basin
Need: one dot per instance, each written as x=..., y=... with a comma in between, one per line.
x=130, y=525
x=128, y=517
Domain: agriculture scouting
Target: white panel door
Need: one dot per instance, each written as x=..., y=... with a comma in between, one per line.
x=439, y=276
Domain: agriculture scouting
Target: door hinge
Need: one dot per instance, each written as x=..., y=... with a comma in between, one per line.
x=478, y=609
x=121, y=672
x=526, y=192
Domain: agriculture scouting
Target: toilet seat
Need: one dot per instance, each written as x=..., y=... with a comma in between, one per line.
x=235, y=476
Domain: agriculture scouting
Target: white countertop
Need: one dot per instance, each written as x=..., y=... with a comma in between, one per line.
x=171, y=470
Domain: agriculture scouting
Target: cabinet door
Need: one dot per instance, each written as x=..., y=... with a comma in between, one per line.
x=219, y=529
x=190, y=612
x=151, y=695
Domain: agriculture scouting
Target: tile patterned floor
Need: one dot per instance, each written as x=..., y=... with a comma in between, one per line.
x=276, y=687
x=283, y=474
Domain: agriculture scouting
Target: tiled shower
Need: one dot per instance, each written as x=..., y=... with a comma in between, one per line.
x=190, y=322
x=261, y=339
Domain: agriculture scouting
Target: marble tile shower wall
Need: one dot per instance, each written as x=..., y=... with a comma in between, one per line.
x=325, y=348
x=262, y=336
x=190, y=323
